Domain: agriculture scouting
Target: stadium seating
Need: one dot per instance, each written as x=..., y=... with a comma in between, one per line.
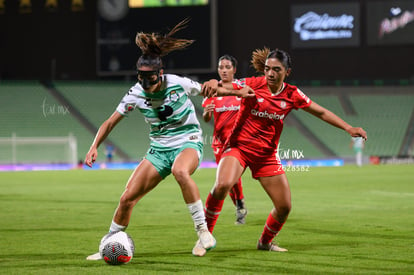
x=96, y=101
x=335, y=139
x=385, y=117
x=28, y=110
x=31, y=110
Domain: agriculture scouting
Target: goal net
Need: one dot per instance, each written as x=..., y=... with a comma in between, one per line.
x=33, y=150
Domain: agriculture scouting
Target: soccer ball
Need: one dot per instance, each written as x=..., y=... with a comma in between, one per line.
x=117, y=248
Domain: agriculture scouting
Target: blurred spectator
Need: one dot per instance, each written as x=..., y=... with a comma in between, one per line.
x=109, y=152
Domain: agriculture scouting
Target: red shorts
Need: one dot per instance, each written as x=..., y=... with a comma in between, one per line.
x=218, y=151
x=260, y=166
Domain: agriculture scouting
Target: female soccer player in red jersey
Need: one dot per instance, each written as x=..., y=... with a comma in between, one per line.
x=254, y=140
x=225, y=109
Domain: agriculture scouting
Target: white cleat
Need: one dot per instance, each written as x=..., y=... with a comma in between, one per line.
x=241, y=214
x=206, y=239
x=94, y=257
x=199, y=250
x=270, y=247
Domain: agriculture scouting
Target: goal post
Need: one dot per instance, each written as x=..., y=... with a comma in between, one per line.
x=22, y=150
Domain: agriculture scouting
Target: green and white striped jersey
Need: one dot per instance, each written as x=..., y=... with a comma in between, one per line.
x=169, y=112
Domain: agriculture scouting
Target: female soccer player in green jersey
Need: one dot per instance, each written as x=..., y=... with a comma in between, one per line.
x=176, y=138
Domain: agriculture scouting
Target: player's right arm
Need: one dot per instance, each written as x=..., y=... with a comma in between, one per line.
x=101, y=135
x=331, y=118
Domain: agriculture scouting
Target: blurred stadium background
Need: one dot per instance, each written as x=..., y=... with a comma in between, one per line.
x=65, y=65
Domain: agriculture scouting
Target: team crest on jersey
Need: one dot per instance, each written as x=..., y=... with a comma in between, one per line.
x=283, y=104
x=174, y=96
x=240, y=82
x=260, y=100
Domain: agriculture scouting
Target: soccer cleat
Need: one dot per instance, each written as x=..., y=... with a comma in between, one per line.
x=270, y=247
x=206, y=239
x=198, y=249
x=241, y=214
x=94, y=257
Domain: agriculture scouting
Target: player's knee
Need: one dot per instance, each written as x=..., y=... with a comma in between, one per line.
x=126, y=202
x=284, y=210
x=180, y=175
x=223, y=186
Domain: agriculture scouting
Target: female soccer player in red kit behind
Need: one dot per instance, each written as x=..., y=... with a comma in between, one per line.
x=255, y=138
x=225, y=109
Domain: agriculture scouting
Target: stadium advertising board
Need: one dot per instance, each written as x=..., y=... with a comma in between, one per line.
x=390, y=23
x=325, y=25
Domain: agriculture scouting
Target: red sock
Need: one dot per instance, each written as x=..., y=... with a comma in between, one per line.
x=236, y=193
x=271, y=229
x=238, y=190
x=212, y=211
x=233, y=196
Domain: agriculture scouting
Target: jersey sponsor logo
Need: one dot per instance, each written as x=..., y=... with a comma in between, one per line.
x=193, y=137
x=153, y=102
x=227, y=108
x=265, y=114
x=148, y=102
x=164, y=112
x=161, y=126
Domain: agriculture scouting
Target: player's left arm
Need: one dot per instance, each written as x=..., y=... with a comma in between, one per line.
x=208, y=112
x=329, y=117
x=215, y=88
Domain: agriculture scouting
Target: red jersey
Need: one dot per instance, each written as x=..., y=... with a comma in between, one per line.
x=260, y=120
x=225, y=113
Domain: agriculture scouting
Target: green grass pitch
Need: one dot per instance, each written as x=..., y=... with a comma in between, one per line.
x=344, y=220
